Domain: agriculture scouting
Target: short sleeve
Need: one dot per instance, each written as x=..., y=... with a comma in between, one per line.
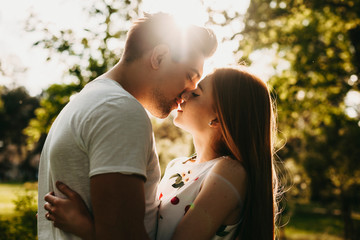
x=118, y=138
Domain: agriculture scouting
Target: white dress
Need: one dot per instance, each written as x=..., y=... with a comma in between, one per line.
x=177, y=191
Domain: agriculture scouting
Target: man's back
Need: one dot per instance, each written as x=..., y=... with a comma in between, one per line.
x=103, y=130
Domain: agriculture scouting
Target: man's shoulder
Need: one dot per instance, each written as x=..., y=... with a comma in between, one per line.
x=107, y=89
x=102, y=95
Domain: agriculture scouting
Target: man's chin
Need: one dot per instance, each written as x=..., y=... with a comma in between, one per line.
x=160, y=114
x=162, y=110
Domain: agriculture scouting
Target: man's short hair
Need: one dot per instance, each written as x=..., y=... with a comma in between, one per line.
x=161, y=28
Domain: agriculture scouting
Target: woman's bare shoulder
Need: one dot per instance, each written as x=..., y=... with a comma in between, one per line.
x=229, y=166
x=233, y=171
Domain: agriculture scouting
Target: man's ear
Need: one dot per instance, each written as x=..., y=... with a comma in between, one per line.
x=158, y=54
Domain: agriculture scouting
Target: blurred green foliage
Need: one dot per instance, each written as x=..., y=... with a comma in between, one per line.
x=24, y=225
x=17, y=107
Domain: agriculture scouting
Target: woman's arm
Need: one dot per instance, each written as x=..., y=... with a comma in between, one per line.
x=70, y=214
x=219, y=202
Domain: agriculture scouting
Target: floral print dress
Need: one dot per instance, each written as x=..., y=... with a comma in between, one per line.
x=177, y=191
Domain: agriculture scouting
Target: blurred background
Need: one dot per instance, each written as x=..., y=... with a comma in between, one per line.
x=307, y=51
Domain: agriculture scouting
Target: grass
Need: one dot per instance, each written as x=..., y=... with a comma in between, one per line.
x=311, y=222
x=10, y=192
x=311, y=226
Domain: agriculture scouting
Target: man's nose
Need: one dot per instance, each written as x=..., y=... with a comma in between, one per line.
x=190, y=85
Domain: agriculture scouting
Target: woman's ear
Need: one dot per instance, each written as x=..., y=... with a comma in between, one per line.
x=158, y=54
x=214, y=123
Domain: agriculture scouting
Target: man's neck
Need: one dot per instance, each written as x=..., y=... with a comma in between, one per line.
x=132, y=77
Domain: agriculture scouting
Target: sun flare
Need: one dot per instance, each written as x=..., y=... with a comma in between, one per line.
x=185, y=12
x=195, y=12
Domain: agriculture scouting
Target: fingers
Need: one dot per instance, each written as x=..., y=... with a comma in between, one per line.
x=48, y=207
x=50, y=217
x=50, y=214
x=50, y=198
x=63, y=188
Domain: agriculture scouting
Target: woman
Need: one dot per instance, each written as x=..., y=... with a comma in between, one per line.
x=228, y=188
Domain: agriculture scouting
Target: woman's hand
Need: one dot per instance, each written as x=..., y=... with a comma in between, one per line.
x=69, y=214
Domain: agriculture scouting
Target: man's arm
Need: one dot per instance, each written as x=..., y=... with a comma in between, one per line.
x=118, y=204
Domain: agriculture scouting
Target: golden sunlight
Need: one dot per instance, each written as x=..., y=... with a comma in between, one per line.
x=195, y=12
x=185, y=11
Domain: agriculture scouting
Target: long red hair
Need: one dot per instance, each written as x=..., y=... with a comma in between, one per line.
x=246, y=115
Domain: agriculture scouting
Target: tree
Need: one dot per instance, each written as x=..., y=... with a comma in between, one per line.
x=16, y=109
x=316, y=48
x=95, y=49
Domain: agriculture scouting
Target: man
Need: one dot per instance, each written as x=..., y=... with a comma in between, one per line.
x=102, y=144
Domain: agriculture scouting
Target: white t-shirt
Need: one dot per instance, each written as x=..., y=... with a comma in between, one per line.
x=103, y=129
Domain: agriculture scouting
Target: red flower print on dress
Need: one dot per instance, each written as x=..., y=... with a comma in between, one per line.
x=161, y=195
x=175, y=200
x=196, y=178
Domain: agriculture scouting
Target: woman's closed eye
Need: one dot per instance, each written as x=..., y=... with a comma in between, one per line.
x=194, y=94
